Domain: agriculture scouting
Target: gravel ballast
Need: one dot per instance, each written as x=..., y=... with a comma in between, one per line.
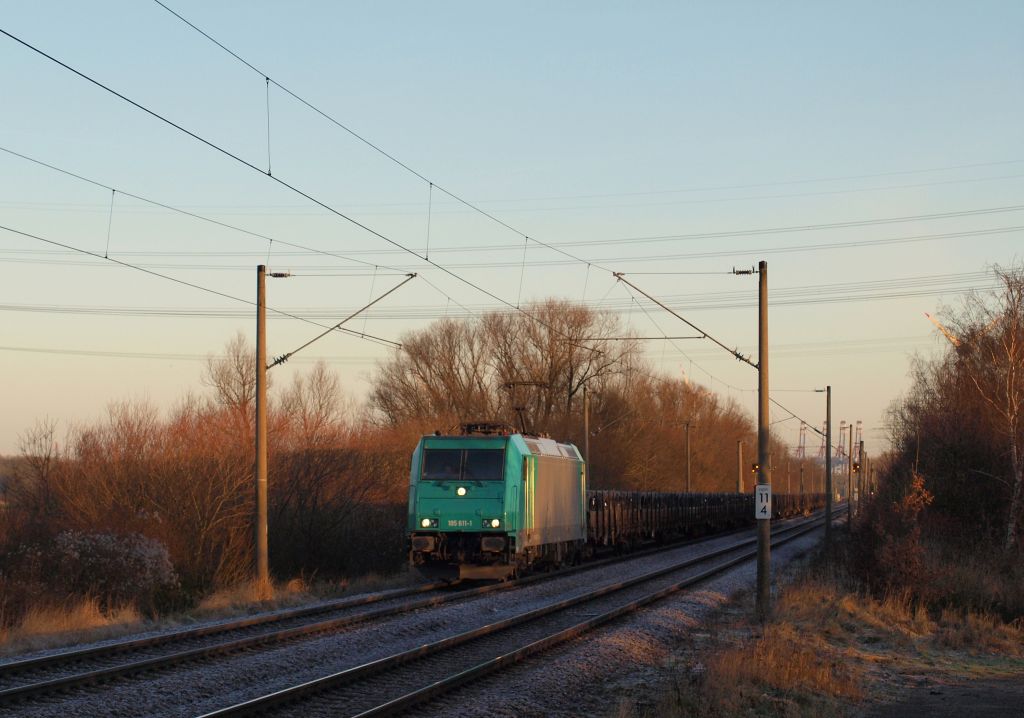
x=577, y=678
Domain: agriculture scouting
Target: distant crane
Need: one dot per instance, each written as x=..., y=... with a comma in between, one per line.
x=945, y=332
x=801, y=449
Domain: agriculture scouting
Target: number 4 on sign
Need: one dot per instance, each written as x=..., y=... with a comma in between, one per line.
x=763, y=502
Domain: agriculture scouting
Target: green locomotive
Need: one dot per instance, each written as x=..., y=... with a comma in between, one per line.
x=491, y=502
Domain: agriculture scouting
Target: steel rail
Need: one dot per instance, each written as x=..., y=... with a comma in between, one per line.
x=45, y=687
x=356, y=673
x=110, y=649
x=447, y=685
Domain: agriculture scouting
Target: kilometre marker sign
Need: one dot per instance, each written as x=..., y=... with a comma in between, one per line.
x=763, y=501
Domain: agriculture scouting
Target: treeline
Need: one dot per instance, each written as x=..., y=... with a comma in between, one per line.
x=532, y=371
x=947, y=519
x=170, y=496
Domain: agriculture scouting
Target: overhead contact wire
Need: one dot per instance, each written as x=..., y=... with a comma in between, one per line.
x=194, y=215
x=176, y=280
x=285, y=357
x=291, y=187
x=367, y=142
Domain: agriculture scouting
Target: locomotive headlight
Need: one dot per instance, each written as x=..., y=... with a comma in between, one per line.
x=461, y=491
x=495, y=523
x=425, y=523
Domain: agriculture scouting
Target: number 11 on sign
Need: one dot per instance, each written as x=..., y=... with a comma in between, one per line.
x=763, y=503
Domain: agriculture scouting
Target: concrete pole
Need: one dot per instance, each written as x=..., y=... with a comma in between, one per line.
x=688, y=485
x=586, y=428
x=828, y=470
x=860, y=477
x=739, y=466
x=262, y=562
x=764, y=527
x=849, y=481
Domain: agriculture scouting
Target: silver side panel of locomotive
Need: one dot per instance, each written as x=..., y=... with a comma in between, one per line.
x=554, y=495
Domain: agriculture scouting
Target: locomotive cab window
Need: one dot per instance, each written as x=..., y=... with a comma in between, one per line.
x=463, y=464
x=442, y=464
x=484, y=465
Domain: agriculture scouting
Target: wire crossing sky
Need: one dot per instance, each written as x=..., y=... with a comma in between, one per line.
x=871, y=154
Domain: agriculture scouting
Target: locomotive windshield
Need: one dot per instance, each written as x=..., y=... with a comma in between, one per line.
x=483, y=464
x=463, y=464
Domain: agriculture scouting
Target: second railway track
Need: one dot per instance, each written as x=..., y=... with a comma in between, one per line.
x=64, y=670
x=394, y=684
x=28, y=687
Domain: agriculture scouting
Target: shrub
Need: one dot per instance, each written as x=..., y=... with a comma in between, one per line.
x=117, y=569
x=886, y=550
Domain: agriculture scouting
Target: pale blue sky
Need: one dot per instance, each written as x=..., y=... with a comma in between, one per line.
x=572, y=122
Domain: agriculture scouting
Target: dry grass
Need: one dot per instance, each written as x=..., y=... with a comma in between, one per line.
x=52, y=625
x=252, y=596
x=46, y=626
x=979, y=633
x=784, y=659
x=825, y=648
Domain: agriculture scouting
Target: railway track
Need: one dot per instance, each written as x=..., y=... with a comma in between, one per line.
x=394, y=684
x=31, y=679
x=41, y=676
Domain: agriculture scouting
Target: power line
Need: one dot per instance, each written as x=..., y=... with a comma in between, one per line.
x=163, y=356
x=285, y=184
x=720, y=200
x=185, y=212
x=808, y=227
x=341, y=125
x=672, y=342
x=180, y=281
x=736, y=353
x=350, y=256
x=416, y=208
x=777, y=183
x=717, y=254
x=786, y=296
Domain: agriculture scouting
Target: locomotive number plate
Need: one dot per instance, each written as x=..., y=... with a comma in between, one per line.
x=459, y=522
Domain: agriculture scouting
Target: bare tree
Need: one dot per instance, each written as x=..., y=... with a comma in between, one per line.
x=313, y=408
x=35, y=477
x=233, y=379
x=991, y=355
x=460, y=371
x=558, y=349
x=441, y=372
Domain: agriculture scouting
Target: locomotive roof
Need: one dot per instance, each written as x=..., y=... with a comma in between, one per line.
x=537, y=445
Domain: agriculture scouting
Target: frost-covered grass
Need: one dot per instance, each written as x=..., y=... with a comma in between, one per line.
x=47, y=625
x=81, y=621
x=829, y=646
